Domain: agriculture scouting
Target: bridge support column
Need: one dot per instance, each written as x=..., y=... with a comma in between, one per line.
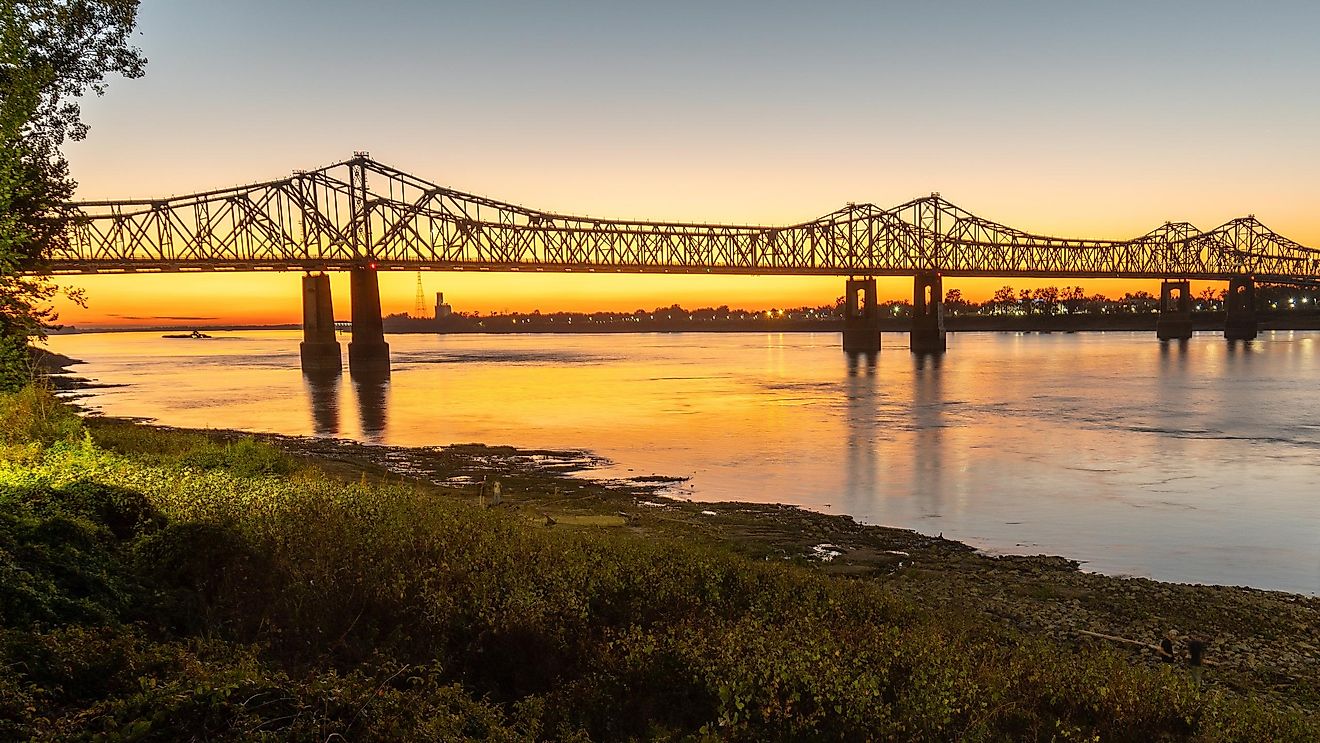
x=1240, y=309
x=928, y=314
x=368, y=351
x=1175, y=321
x=861, y=317
x=319, y=350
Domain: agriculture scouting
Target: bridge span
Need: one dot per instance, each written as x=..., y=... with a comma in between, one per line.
x=363, y=217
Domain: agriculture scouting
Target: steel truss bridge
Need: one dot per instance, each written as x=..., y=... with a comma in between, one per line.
x=360, y=213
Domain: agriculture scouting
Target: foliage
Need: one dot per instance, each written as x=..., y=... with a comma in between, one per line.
x=243, y=456
x=151, y=589
x=34, y=415
x=51, y=53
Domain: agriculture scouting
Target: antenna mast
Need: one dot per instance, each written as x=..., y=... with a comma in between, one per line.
x=419, y=309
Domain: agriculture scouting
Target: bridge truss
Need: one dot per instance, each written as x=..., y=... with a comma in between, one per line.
x=360, y=212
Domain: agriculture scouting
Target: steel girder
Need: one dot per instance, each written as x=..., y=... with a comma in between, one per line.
x=361, y=212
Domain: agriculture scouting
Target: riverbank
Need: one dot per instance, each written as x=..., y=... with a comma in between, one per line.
x=1261, y=643
x=183, y=584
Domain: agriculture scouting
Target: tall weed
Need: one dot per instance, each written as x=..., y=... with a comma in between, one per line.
x=33, y=414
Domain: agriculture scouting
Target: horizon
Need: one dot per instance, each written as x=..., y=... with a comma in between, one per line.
x=343, y=314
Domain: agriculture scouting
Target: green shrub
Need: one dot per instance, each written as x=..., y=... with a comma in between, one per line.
x=15, y=363
x=32, y=414
x=116, y=684
x=244, y=456
x=61, y=552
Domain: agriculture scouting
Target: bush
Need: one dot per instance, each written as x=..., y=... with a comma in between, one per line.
x=116, y=684
x=32, y=414
x=245, y=456
x=63, y=552
x=15, y=363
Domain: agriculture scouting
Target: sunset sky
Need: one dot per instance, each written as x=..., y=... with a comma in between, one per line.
x=1096, y=120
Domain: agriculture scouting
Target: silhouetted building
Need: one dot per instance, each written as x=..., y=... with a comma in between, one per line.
x=442, y=310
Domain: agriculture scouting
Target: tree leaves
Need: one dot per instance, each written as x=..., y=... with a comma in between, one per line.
x=51, y=53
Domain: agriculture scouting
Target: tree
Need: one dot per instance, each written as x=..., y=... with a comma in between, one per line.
x=1003, y=300
x=1141, y=301
x=1074, y=297
x=1046, y=298
x=954, y=302
x=1212, y=298
x=52, y=52
x=1024, y=298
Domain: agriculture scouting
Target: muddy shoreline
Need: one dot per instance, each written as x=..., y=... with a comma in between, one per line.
x=1260, y=642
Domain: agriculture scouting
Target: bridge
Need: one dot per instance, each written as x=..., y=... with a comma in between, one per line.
x=363, y=217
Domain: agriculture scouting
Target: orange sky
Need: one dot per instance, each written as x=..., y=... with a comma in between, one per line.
x=262, y=298
x=1060, y=118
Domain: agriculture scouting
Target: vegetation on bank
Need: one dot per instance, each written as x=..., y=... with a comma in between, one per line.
x=164, y=586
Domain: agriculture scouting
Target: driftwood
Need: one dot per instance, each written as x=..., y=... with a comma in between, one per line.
x=1137, y=643
x=1116, y=638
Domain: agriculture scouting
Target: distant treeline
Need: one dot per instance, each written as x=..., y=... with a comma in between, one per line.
x=1049, y=301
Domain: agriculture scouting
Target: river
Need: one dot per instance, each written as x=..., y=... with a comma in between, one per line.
x=1193, y=462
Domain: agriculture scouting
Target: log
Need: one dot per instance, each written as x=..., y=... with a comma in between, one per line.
x=1138, y=643
x=1116, y=638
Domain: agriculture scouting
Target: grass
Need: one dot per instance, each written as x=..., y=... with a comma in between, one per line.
x=160, y=585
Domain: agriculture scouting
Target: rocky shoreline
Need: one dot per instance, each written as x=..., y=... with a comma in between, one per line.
x=1260, y=643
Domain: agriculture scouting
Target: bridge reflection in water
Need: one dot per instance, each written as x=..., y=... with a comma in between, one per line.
x=922, y=419
x=362, y=217
x=371, y=390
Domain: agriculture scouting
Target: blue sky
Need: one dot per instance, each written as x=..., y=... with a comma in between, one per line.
x=1096, y=119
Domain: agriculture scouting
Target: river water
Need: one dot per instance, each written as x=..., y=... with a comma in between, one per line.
x=1194, y=462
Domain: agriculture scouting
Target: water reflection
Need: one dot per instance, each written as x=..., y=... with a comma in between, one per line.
x=372, y=388
x=1172, y=378
x=861, y=411
x=928, y=421
x=323, y=400
x=1179, y=344
x=1190, y=461
x=1241, y=348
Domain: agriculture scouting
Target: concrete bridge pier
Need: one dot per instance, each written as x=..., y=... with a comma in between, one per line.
x=319, y=350
x=928, y=314
x=1175, y=321
x=368, y=351
x=1240, y=309
x=861, y=316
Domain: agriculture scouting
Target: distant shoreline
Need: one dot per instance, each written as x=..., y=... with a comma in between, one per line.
x=953, y=324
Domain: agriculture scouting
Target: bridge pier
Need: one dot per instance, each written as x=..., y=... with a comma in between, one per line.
x=319, y=351
x=1240, y=309
x=368, y=351
x=928, y=314
x=861, y=317
x=1175, y=321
